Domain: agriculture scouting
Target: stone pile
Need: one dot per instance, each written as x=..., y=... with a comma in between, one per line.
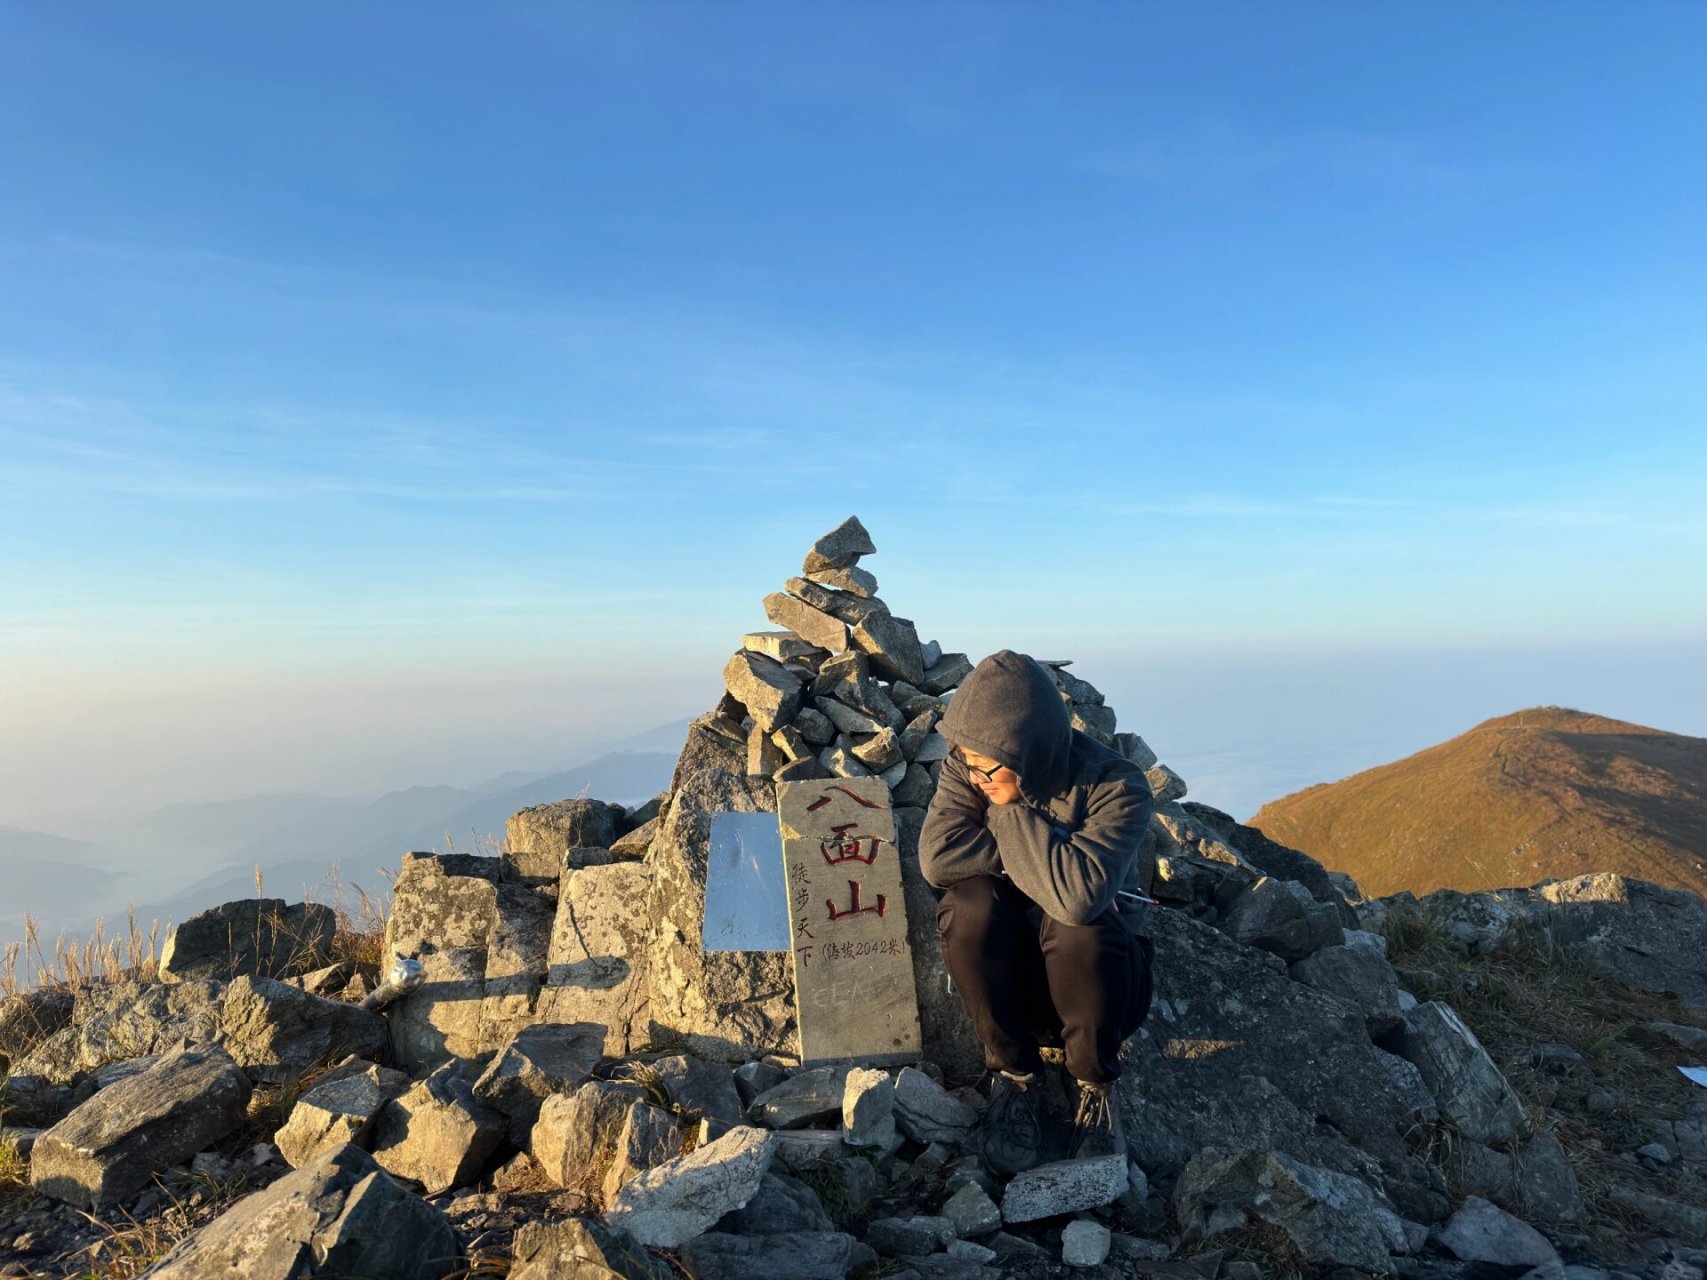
x=848, y=690
x=580, y=1082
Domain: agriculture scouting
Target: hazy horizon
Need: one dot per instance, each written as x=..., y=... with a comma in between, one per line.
x=1242, y=730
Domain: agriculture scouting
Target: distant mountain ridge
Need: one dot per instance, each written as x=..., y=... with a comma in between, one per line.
x=300, y=859
x=1543, y=793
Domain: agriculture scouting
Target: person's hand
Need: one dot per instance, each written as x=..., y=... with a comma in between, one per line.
x=998, y=783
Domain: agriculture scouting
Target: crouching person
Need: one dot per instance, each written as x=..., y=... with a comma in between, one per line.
x=1033, y=831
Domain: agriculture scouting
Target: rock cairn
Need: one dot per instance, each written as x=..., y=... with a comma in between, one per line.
x=847, y=689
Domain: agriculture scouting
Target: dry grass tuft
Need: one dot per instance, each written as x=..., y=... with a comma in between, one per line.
x=1528, y=990
x=1262, y=1243
x=27, y=966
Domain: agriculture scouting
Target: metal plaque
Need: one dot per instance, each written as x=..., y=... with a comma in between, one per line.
x=746, y=896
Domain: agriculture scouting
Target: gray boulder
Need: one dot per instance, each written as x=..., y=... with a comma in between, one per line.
x=868, y=1109
x=926, y=1112
x=1085, y=1243
x=806, y=1098
x=537, y=840
x=443, y=910
x=538, y=1061
x=1280, y=916
x=1273, y=859
x=767, y=689
x=1536, y=1180
x=840, y=548
x=1358, y=973
x=596, y=964
x=277, y=1033
x=260, y=937
x=671, y=1204
x=338, y=1215
x=1331, y=1218
x=1237, y=1056
x=113, y=1144
x=437, y=1133
x=797, y=1255
x=1655, y=937
x=337, y=1111
x=1064, y=1186
x=781, y=1205
x=648, y=1138
x=1466, y=1084
x=698, y=1087
x=1482, y=1232
x=576, y=1132
x=111, y=1021
x=581, y=1249
x=972, y=1211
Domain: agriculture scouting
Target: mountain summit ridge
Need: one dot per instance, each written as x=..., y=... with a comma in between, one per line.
x=1540, y=794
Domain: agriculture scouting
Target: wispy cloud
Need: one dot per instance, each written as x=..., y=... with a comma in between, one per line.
x=1215, y=152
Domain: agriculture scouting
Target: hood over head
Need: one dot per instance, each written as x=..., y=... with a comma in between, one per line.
x=1011, y=710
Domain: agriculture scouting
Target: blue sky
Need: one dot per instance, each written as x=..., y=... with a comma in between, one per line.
x=371, y=358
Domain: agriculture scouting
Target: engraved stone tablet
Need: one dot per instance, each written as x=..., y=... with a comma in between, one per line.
x=853, y=971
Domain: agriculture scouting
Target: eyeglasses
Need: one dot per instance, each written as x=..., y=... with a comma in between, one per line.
x=989, y=775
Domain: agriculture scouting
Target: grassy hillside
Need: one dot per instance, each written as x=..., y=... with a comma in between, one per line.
x=1539, y=794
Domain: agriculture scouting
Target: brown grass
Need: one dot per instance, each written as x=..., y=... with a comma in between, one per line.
x=1543, y=794
x=29, y=965
x=1529, y=990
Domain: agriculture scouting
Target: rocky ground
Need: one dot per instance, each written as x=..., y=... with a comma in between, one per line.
x=1463, y=1087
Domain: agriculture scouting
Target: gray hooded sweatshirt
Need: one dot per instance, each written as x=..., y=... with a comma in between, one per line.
x=1071, y=842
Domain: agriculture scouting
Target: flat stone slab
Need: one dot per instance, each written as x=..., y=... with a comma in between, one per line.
x=276, y=1033
x=853, y=965
x=437, y=1133
x=539, y=1061
x=1064, y=1186
x=258, y=936
x=809, y=1097
x=671, y=1204
x=114, y=1144
x=338, y=1215
x=337, y=1112
x=581, y=1249
x=793, y=1255
x=1466, y=1084
x=814, y=626
x=1483, y=1232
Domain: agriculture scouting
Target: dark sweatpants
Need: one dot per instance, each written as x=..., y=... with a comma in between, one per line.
x=1027, y=979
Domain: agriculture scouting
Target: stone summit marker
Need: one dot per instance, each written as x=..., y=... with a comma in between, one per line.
x=847, y=915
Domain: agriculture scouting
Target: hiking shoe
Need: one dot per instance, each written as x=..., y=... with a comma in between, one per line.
x=1010, y=1135
x=1096, y=1127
